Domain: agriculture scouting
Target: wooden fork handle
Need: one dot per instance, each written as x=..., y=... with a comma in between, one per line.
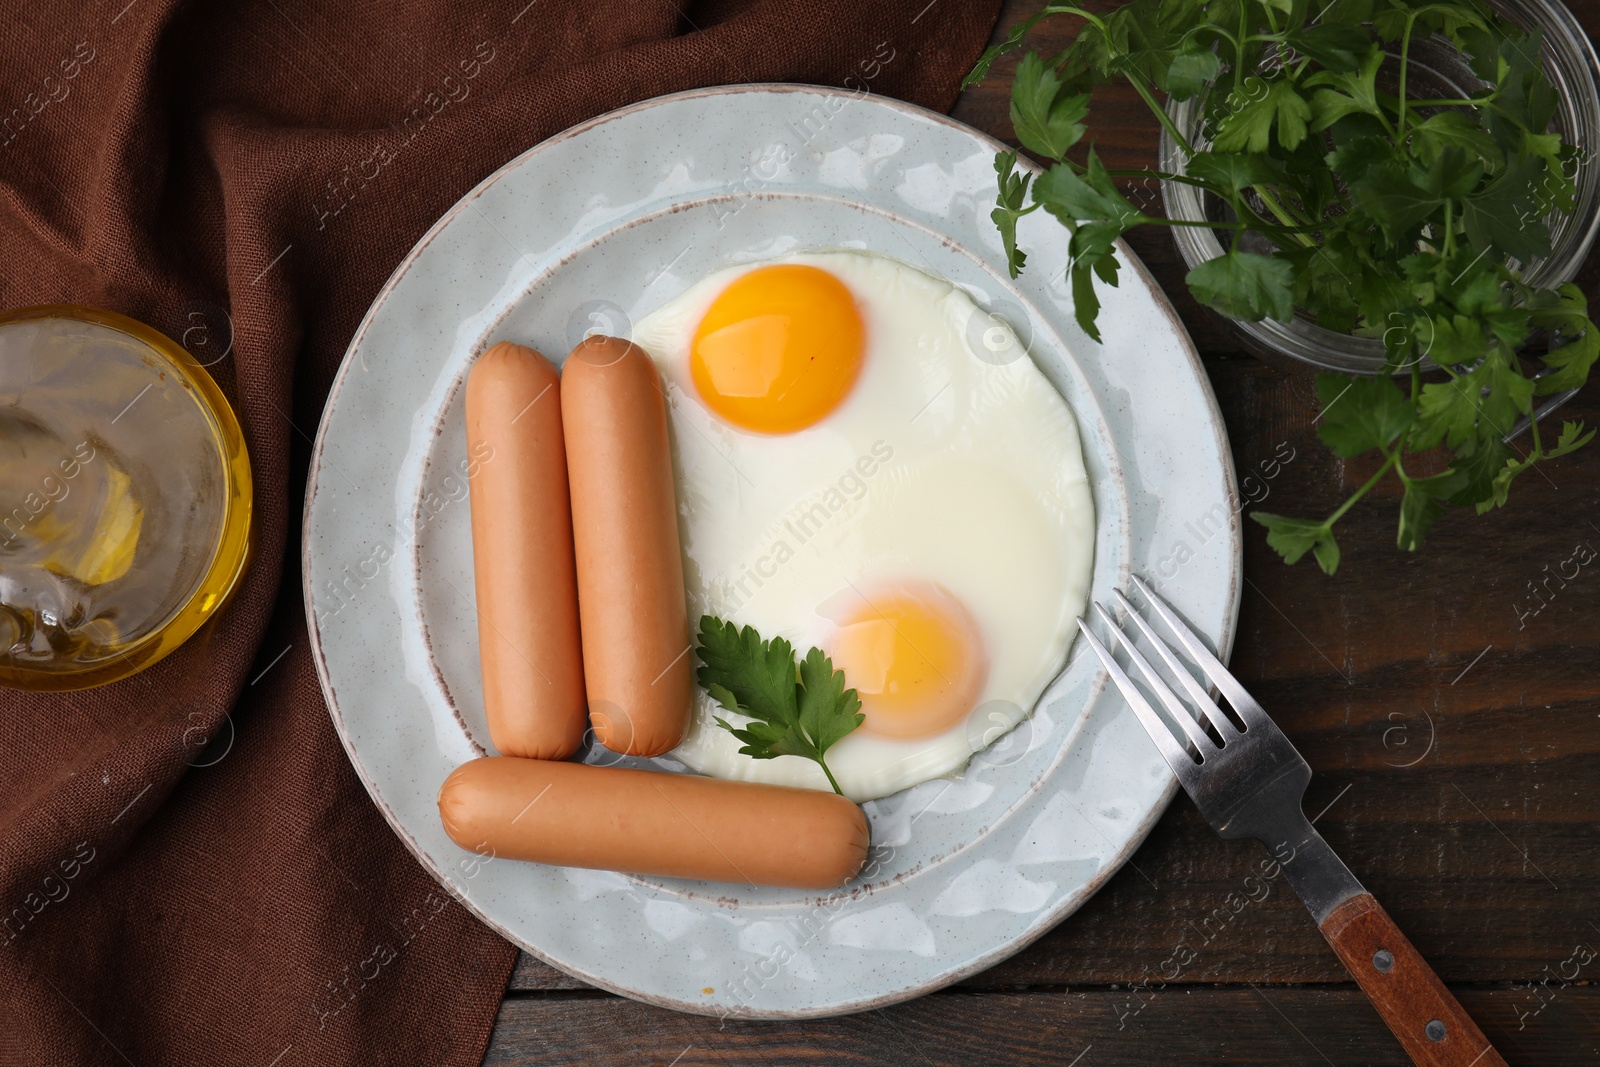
x=1429, y=1022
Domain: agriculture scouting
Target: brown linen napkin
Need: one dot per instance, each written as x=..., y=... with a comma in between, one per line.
x=244, y=177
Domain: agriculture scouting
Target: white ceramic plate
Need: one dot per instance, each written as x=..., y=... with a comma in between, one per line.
x=597, y=227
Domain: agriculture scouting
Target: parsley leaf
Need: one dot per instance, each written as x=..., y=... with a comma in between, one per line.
x=1244, y=285
x=1571, y=439
x=1070, y=198
x=1478, y=462
x=1337, y=48
x=1503, y=216
x=1387, y=194
x=1047, y=118
x=1360, y=414
x=1096, y=214
x=1322, y=286
x=1012, y=42
x=1452, y=129
x=1423, y=503
x=1350, y=92
x=828, y=711
x=1191, y=69
x=1446, y=411
x=1259, y=108
x=1235, y=172
x=1453, y=340
x=1293, y=538
x=1008, y=208
x=1354, y=155
x=1093, y=255
x=789, y=716
x=1572, y=360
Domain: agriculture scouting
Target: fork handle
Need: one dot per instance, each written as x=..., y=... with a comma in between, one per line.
x=1429, y=1022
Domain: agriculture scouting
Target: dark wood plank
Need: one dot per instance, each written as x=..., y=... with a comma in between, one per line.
x=1264, y=1025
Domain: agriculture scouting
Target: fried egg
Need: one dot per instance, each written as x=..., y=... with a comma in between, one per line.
x=856, y=470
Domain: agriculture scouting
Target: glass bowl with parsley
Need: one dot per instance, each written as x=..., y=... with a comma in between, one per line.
x=1396, y=192
x=1429, y=129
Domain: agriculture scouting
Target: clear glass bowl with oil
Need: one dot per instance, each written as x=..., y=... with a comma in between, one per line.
x=125, y=497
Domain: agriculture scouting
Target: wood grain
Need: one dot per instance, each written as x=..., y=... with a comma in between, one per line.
x=1263, y=1026
x=1446, y=700
x=1422, y=1014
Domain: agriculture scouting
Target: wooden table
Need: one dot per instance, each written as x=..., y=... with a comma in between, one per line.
x=1451, y=721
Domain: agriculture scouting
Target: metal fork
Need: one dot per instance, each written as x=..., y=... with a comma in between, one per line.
x=1248, y=780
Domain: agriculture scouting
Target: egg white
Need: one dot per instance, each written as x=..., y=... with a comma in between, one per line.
x=939, y=465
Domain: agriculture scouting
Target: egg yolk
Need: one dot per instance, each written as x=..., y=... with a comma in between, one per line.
x=778, y=349
x=914, y=656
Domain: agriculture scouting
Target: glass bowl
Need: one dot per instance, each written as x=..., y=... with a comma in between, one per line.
x=125, y=497
x=1436, y=69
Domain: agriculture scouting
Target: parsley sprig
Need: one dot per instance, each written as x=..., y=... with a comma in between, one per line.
x=789, y=716
x=1382, y=214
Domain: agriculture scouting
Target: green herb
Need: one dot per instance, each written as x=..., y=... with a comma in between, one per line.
x=1391, y=217
x=789, y=716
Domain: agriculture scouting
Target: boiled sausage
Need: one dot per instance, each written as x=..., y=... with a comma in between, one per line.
x=526, y=581
x=636, y=652
x=649, y=822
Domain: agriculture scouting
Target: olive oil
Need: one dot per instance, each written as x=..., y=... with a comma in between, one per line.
x=124, y=497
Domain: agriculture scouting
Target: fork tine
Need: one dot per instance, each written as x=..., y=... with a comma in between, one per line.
x=1180, y=714
x=1182, y=764
x=1213, y=669
x=1202, y=699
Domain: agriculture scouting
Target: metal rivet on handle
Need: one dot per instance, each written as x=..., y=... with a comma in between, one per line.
x=1435, y=1030
x=1383, y=959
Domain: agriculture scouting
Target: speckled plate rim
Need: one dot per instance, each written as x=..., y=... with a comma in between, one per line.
x=1044, y=920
